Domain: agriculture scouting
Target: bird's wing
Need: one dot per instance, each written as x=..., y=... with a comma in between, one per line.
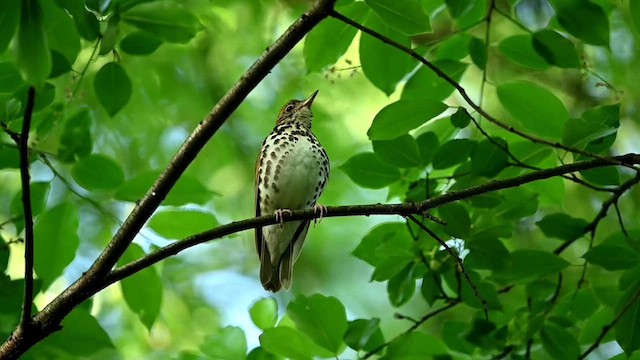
x=266, y=269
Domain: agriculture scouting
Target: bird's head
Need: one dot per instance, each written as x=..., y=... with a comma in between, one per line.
x=297, y=111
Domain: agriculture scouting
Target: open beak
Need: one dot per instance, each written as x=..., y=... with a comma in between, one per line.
x=307, y=103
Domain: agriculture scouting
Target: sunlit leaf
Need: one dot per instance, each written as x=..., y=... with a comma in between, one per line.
x=228, y=343
x=187, y=190
x=520, y=50
x=322, y=318
x=264, y=313
x=400, y=152
x=407, y=16
x=612, y=256
x=368, y=171
x=402, y=116
x=364, y=334
x=113, y=87
x=98, y=173
x=33, y=58
x=415, y=345
x=556, y=49
x=290, y=343
x=9, y=15
x=168, y=21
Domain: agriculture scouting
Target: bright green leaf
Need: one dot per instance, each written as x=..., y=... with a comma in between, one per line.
x=229, y=343
x=454, y=48
x=400, y=152
x=264, y=313
x=406, y=16
x=10, y=79
x=167, y=20
x=545, y=116
x=178, y=224
x=56, y=241
x=478, y=52
x=368, y=171
x=110, y=36
x=322, y=318
x=76, y=140
x=401, y=286
x=290, y=343
x=39, y=196
x=86, y=22
x=187, y=190
x=519, y=49
x=415, y=345
x=142, y=291
x=559, y=343
x=426, y=84
x=612, y=256
x=579, y=132
x=427, y=144
x=402, y=116
x=98, y=172
x=364, y=334
x=602, y=176
x=562, y=226
x=112, y=87
x=33, y=58
x=9, y=15
x=556, y=49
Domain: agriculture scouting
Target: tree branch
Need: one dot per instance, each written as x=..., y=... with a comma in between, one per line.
x=23, y=147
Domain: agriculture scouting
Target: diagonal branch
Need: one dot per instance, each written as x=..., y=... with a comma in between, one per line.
x=463, y=92
x=23, y=145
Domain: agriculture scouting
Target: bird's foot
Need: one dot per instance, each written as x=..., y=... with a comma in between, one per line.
x=322, y=210
x=280, y=215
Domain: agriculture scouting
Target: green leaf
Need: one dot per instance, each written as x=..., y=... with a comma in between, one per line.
x=427, y=144
x=519, y=49
x=401, y=286
x=466, y=12
x=56, y=241
x=168, y=21
x=322, y=318
x=415, y=345
x=457, y=219
x=406, y=16
x=461, y=118
x=602, y=176
x=10, y=79
x=229, y=343
x=39, y=195
x=178, y=224
x=368, y=171
x=9, y=157
x=364, y=334
x=634, y=11
x=545, y=116
x=429, y=288
x=110, y=36
x=188, y=190
x=556, y=49
x=330, y=39
x=387, y=247
x=454, y=48
x=559, y=343
x=112, y=87
x=290, y=343
x=478, y=52
x=98, y=172
x=32, y=55
x=562, y=226
x=9, y=15
x=382, y=65
x=264, y=313
x=400, y=152
x=86, y=22
x=626, y=329
x=579, y=132
x=612, y=256
x=259, y=354
x=528, y=265
x=140, y=43
x=76, y=139
x=488, y=159
x=584, y=20
x=142, y=291
x=61, y=33
x=486, y=253
x=452, y=153
x=400, y=117
x=608, y=116
x=425, y=83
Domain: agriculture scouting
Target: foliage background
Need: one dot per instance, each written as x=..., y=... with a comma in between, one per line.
x=190, y=305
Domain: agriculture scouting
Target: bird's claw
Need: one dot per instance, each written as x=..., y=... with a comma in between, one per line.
x=322, y=210
x=280, y=215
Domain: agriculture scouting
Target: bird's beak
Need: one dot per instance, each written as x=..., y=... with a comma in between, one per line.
x=307, y=103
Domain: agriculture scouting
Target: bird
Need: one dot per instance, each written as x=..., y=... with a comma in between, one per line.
x=291, y=173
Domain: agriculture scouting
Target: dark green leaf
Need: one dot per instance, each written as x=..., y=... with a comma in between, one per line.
x=612, y=256
x=86, y=22
x=430, y=289
x=457, y=219
x=415, y=345
x=487, y=253
x=634, y=11
x=478, y=52
x=140, y=43
x=453, y=335
x=466, y=12
x=545, y=116
x=100, y=7
x=290, y=343
x=401, y=286
x=39, y=195
x=167, y=20
x=364, y=334
x=98, y=172
x=454, y=48
x=178, y=224
x=607, y=115
x=400, y=152
x=387, y=247
x=32, y=55
x=626, y=329
x=556, y=49
x=9, y=15
x=528, y=265
x=264, y=313
x=229, y=343
x=452, y=153
x=579, y=132
x=328, y=41
x=562, y=226
x=322, y=318
x=559, y=343
x=112, y=87
x=427, y=144
x=602, y=176
x=110, y=36
x=10, y=79
x=142, y=291
x=482, y=333
x=382, y=65
x=76, y=140
x=368, y=171
x=187, y=190
x=488, y=159
x=56, y=241
x=61, y=32
x=584, y=20
x=584, y=303
x=461, y=118
x=518, y=203
x=259, y=354
x=425, y=83
x=519, y=49
x=400, y=117
x=9, y=157
x=406, y=16
x=4, y=260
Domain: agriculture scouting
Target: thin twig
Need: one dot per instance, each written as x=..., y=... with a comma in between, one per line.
x=457, y=258
x=27, y=301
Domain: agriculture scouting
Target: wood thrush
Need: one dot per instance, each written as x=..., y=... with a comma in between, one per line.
x=291, y=172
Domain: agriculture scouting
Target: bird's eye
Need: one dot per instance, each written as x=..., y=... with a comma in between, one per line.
x=289, y=108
